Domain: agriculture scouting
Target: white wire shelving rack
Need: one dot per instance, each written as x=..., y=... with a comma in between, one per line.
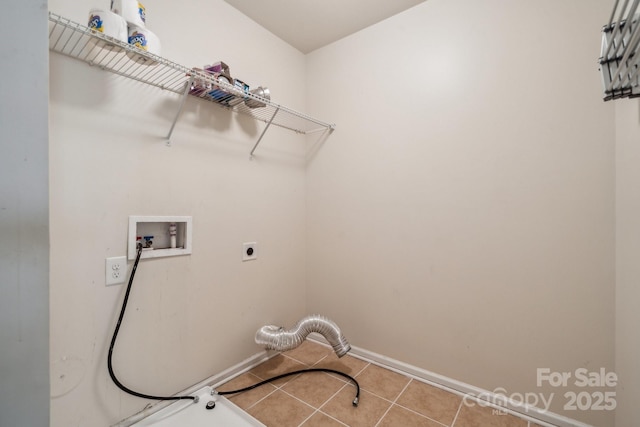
x=80, y=42
x=620, y=52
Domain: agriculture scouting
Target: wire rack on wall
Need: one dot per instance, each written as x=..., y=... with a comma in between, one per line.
x=78, y=41
x=620, y=52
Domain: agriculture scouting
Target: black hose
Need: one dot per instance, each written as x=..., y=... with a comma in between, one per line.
x=113, y=342
x=148, y=396
x=302, y=371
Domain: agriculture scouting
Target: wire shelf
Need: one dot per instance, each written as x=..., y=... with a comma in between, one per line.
x=620, y=53
x=80, y=42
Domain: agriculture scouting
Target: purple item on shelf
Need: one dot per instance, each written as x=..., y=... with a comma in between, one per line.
x=218, y=67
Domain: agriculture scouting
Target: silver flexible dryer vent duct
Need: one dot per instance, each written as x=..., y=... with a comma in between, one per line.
x=277, y=338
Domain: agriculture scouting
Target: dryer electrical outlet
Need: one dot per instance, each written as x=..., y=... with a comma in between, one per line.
x=249, y=251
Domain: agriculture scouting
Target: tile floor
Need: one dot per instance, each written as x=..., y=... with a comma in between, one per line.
x=387, y=398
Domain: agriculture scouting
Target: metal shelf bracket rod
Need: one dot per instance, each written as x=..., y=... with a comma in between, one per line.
x=263, y=132
x=187, y=86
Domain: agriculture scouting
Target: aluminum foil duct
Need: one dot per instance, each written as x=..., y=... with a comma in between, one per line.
x=277, y=338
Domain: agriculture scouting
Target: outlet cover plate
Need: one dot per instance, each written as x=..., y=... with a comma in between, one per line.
x=249, y=251
x=115, y=270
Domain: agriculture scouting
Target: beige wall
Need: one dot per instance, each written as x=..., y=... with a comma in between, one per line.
x=627, y=265
x=461, y=217
x=189, y=317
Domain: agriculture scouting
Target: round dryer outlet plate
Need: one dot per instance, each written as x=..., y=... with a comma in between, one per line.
x=249, y=251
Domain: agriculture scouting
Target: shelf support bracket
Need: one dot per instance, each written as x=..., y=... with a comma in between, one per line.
x=263, y=132
x=187, y=86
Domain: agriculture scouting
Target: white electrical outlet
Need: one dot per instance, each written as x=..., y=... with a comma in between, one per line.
x=116, y=270
x=249, y=251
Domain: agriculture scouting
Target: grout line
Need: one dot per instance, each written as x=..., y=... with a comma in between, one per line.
x=256, y=402
x=308, y=418
x=457, y=413
x=318, y=411
x=362, y=370
x=296, y=360
x=298, y=399
x=333, y=395
x=321, y=359
x=421, y=415
x=394, y=402
x=290, y=395
x=383, y=415
x=308, y=404
x=340, y=377
x=333, y=418
x=260, y=400
x=346, y=384
x=275, y=388
x=331, y=398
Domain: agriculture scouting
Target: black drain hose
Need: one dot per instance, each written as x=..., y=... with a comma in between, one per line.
x=149, y=396
x=302, y=371
x=113, y=342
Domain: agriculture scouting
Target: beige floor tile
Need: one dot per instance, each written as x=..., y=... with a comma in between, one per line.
x=280, y=410
x=248, y=398
x=322, y=420
x=275, y=366
x=314, y=388
x=369, y=411
x=430, y=401
x=478, y=416
x=309, y=352
x=382, y=382
x=347, y=364
x=398, y=416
